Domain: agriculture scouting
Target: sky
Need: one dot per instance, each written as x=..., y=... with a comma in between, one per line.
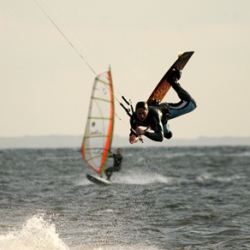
x=47, y=45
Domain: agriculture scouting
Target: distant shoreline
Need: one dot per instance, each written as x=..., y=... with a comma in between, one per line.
x=68, y=141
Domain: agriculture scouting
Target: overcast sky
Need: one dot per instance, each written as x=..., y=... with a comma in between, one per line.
x=45, y=85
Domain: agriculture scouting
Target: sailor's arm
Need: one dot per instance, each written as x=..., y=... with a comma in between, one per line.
x=157, y=134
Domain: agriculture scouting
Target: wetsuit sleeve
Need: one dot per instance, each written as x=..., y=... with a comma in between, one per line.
x=157, y=135
x=154, y=136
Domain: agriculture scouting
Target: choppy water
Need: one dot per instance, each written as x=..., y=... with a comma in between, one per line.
x=164, y=198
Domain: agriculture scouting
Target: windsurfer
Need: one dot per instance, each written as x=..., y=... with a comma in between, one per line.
x=156, y=115
x=116, y=165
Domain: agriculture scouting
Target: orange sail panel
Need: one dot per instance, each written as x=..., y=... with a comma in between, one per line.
x=100, y=124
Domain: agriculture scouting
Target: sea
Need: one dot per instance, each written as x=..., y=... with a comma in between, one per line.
x=173, y=198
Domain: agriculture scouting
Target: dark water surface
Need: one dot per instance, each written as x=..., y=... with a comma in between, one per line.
x=164, y=198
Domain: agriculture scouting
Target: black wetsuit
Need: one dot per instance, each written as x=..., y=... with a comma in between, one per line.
x=153, y=121
x=159, y=114
x=116, y=165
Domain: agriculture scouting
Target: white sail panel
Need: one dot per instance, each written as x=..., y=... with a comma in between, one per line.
x=100, y=123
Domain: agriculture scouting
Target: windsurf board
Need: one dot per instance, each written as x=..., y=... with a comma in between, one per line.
x=98, y=180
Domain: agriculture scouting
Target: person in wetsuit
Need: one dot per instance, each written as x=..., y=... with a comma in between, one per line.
x=156, y=115
x=116, y=165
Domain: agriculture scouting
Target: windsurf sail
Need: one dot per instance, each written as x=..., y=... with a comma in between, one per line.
x=100, y=124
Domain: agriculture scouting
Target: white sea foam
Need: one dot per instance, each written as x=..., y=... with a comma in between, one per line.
x=36, y=234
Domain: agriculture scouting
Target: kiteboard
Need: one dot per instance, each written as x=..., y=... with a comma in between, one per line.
x=98, y=180
x=163, y=86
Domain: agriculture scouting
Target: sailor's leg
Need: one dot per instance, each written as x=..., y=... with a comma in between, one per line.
x=182, y=93
x=175, y=110
x=181, y=108
x=187, y=103
x=173, y=80
x=108, y=172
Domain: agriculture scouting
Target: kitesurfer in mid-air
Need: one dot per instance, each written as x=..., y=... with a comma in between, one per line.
x=155, y=116
x=116, y=165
